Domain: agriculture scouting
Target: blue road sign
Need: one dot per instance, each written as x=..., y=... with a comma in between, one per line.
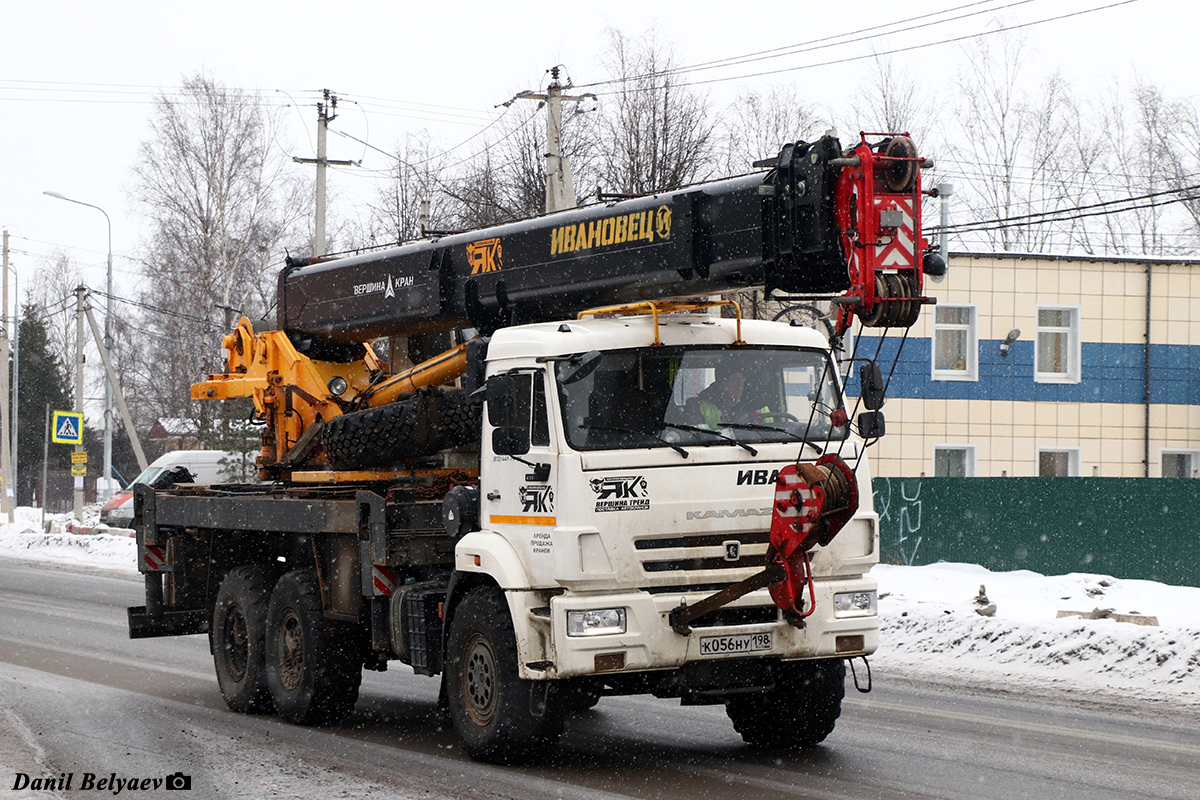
x=66, y=428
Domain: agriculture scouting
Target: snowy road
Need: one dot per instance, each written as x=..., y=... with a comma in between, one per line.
x=77, y=696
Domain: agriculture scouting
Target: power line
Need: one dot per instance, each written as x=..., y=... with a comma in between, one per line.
x=1017, y=222
x=158, y=310
x=893, y=51
x=1107, y=203
x=823, y=42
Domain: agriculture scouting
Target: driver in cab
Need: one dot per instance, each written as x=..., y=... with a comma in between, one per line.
x=725, y=401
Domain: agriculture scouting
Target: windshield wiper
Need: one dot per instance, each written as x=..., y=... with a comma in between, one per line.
x=718, y=434
x=648, y=435
x=754, y=426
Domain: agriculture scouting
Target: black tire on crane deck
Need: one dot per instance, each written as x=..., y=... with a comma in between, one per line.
x=238, y=632
x=800, y=711
x=415, y=426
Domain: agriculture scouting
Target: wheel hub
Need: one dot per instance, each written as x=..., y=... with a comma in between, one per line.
x=237, y=643
x=479, y=680
x=291, y=647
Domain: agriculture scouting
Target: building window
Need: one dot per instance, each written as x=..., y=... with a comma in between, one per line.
x=1058, y=462
x=955, y=344
x=1180, y=463
x=954, y=461
x=1057, y=345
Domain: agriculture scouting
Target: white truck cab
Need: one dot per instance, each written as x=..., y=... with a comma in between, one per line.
x=608, y=499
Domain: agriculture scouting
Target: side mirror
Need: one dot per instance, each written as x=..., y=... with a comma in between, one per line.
x=579, y=367
x=473, y=377
x=507, y=397
x=501, y=395
x=870, y=425
x=870, y=380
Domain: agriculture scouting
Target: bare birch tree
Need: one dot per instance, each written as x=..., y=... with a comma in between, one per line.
x=652, y=133
x=414, y=179
x=891, y=101
x=220, y=205
x=758, y=124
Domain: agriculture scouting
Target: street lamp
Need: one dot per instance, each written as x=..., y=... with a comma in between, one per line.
x=108, y=345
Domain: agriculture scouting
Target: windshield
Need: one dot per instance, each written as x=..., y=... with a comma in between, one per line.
x=689, y=396
x=147, y=476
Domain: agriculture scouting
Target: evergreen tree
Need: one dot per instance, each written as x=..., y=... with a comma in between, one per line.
x=43, y=382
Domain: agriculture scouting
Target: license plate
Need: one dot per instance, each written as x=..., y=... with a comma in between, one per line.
x=733, y=645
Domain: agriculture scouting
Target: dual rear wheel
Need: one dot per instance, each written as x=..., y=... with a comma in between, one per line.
x=273, y=649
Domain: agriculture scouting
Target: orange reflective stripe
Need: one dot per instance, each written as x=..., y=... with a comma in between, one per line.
x=498, y=519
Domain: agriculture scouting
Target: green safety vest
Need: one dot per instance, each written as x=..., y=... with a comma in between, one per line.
x=712, y=414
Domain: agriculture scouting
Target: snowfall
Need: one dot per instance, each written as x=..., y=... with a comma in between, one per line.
x=1135, y=639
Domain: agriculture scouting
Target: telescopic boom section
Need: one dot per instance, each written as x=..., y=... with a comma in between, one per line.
x=844, y=225
x=820, y=222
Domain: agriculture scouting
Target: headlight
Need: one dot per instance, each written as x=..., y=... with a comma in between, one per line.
x=596, y=623
x=854, y=604
x=337, y=386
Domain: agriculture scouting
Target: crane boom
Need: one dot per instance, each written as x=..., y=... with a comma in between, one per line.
x=797, y=228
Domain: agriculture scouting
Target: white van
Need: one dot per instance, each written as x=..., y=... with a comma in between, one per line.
x=203, y=466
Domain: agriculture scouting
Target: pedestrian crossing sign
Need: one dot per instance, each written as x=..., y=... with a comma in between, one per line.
x=67, y=428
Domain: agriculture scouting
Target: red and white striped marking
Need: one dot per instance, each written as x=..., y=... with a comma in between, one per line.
x=155, y=558
x=383, y=579
x=900, y=251
x=792, y=520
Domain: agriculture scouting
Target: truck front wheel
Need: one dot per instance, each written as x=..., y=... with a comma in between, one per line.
x=801, y=709
x=500, y=718
x=238, y=628
x=313, y=671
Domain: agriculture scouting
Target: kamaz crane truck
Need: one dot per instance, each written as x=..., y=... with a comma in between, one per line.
x=563, y=504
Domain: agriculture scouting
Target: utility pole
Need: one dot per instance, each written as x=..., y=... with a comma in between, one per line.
x=560, y=185
x=45, y=464
x=79, y=295
x=126, y=418
x=6, y=478
x=16, y=388
x=326, y=113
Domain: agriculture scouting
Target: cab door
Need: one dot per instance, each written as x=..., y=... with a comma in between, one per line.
x=518, y=475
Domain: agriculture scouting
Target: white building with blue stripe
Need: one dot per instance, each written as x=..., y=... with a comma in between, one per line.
x=1047, y=365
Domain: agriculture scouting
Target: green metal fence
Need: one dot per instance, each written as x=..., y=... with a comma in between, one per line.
x=1147, y=528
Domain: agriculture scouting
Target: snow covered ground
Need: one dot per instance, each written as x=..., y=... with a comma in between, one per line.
x=931, y=631
x=930, y=628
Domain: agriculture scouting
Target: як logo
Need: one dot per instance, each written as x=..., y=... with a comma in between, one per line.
x=485, y=256
x=624, y=493
x=621, y=488
x=537, y=499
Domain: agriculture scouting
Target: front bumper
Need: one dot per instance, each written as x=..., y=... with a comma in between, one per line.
x=649, y=643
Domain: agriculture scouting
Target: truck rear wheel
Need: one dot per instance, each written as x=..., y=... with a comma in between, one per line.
x=497, y=716
x=799, y=712
x=313, y=672
x=238, y=627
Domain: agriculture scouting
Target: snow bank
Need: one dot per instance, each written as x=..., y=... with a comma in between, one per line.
x=31, y=539
x=930, y=629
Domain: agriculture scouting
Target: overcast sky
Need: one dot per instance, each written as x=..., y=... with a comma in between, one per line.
x=76, y=78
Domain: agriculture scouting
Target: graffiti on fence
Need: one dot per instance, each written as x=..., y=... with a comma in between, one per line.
x=899, y=507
